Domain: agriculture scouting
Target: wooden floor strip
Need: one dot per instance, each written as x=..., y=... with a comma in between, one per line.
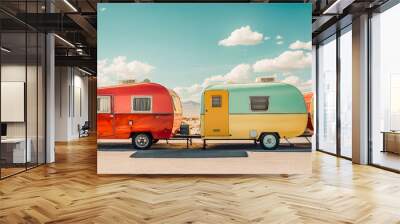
x=70, y=191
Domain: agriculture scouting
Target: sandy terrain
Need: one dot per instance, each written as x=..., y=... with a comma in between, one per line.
x=255, y=163
x=194, y=124
x=114, y=158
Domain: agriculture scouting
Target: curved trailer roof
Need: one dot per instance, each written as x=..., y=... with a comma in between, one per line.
x=162, y=101
x=283, y=98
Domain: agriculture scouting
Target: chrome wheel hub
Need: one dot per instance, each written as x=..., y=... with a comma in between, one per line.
x=269, y=141
x=142, y=140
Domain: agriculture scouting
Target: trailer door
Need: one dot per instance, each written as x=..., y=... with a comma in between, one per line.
x=105, y=117
x=216, y=114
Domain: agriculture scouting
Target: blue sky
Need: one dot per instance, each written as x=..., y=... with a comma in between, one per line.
x=182, y=45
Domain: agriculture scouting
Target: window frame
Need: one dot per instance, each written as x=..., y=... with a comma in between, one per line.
x=212, y=101
x=110, y=104
x=258, y=110
x=141, y=111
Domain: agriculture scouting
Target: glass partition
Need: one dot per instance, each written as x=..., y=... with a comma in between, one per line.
x=385, y=89
x=22, y=78
x=41, y=97
x=31, y=97
x=327, y=95
x=14, y=153
x=346, y=93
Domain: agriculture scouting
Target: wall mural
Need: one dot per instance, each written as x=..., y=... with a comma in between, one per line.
x=202, y=76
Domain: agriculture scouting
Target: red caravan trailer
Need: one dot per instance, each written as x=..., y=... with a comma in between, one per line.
x=308, y=98
x=145, y=112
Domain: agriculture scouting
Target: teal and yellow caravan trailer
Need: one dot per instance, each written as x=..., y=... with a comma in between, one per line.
x=263, y=112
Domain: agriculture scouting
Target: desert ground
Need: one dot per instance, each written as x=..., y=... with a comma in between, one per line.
x=115, y=157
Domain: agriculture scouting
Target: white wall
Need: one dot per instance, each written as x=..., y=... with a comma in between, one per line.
x=33, y=126
x=12, y=73
x=71, y=94
x=16, y=73
x=80, y=109
x=61, y=103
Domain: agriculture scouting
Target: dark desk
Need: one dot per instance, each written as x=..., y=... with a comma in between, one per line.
x=391, y=141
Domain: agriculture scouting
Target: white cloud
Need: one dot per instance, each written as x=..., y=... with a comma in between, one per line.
x=279, y=42
x=267, y=38
x=279, y=37
x=291, y=80
x=239, y=74
x=112, y=72
x=299, y=45
x=303, y=86
x=191, y=93
x=286, y=73
x=285, y=62
x=242, y=36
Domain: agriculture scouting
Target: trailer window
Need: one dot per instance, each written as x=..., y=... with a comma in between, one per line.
x=216, y=101
x=103, y=104
x=259, y=103
x=141, y=104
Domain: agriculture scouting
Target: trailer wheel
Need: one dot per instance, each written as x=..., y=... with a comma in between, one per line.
x=269, y=141
x=142, y=141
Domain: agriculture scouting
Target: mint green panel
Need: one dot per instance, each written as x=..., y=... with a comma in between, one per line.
x=283, y=98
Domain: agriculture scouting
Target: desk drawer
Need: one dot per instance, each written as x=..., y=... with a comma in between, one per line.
x=392, y=142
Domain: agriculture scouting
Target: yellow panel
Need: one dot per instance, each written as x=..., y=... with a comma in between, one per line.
x=216, y=118
x=286, y=125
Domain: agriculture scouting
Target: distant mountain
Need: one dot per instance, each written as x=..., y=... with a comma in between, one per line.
x=191, y=109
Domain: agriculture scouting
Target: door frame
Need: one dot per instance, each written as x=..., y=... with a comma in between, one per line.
x=111, y=115
x=227, y=110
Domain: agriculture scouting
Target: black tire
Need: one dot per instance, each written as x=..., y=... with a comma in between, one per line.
x=142, y=141
x=155, y=141
x=269, y=141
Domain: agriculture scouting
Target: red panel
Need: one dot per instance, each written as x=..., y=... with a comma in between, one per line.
x=162, y=123
x=105, y=125
x=122, y=104
x=160, y=126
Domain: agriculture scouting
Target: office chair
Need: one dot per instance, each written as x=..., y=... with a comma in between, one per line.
x=84, y=130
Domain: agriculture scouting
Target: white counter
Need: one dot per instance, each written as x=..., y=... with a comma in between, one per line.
x=19, y=153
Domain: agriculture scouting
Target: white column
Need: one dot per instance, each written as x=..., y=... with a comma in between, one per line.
x=50, y=98
x=360, y=90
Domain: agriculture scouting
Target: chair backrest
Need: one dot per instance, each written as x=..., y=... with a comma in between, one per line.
x=86, y=125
